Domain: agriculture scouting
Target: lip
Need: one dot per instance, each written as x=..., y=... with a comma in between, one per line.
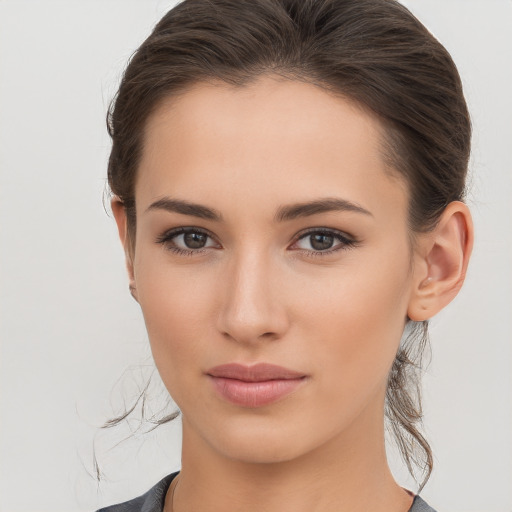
x=254, y=386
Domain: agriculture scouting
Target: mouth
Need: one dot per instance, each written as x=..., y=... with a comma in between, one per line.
x=254, y=386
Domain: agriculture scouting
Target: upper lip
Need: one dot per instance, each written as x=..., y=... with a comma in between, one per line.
x=256, y=373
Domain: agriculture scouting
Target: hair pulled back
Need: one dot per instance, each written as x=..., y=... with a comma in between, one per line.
x=374, y=52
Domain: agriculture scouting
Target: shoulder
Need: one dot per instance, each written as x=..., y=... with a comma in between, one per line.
x=418, y=505
x=151, y=501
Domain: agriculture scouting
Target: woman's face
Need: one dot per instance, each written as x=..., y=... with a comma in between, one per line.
x=270, y=231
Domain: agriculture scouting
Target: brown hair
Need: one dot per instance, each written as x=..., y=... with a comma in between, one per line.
x=372, y=51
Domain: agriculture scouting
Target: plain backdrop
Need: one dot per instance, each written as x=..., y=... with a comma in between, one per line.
x=73, y=345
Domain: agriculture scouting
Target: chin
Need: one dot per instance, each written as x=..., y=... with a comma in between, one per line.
x=260, y=442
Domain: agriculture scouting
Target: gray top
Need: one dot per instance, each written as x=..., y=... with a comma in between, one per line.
x=153, y=500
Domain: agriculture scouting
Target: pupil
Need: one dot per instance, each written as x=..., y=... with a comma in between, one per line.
x=195, y=240
x=321, y=242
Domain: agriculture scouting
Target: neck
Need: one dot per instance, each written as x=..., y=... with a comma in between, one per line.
x=347, y=473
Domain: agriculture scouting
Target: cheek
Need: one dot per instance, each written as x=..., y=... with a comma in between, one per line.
x=357, y=319
x=177, y=305
x=345, y=322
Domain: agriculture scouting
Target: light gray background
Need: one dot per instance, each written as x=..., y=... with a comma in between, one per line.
x=69, y=327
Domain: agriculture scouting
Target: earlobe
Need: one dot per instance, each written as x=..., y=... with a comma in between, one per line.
x=440, y=267
x=119, y=211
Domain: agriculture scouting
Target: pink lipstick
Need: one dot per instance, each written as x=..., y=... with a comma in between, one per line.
x=254, y=386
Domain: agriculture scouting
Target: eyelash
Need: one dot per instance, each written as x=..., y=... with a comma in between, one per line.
x=346, y=241
x=166, y=240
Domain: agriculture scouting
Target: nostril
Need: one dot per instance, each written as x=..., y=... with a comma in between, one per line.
x=248, y=336
x=268, y=335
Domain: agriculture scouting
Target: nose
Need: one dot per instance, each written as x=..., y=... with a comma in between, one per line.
x=252, y=304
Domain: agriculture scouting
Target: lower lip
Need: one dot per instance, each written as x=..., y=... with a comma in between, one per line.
x=254, y=394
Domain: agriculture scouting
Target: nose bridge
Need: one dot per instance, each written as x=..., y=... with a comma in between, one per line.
x=251, y=308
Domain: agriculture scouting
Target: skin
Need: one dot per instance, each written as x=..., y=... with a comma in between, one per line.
x=259, y=291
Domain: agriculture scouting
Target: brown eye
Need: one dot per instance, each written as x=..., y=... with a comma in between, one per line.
x=321, y=241
x=195, y=240
x=187, y=240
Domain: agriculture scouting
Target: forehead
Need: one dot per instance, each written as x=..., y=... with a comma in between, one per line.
x=275, y=138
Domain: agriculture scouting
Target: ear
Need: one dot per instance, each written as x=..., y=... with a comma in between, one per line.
x=119, y=211
x=441, y=262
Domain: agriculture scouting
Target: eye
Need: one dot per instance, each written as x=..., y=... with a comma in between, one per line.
x=319, y=241
x=186, y=240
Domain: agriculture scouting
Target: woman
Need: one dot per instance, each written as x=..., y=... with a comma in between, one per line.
x=287, y=181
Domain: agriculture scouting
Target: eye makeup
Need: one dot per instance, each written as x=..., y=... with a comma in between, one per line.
x=324, y=242
x=190, y=241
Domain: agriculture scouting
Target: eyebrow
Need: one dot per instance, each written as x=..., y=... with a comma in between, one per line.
x=328, y=204
x=185, y=208
x=284, y=213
